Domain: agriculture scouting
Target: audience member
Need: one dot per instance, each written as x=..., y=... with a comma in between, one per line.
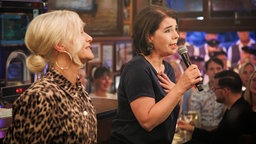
x=253, y=55
x=250, y=97
x=56, y=108
x=235, y=53
x=222, y=55
x=178, y=70
x=204, y=102
x=199, y=61
x=235, y=122
x=210, y=47
x=244, y=58
x=252, y=51
x=182, y=41
x=245, y=72
x=102, y=82
x=148, y=98
x=250, y=93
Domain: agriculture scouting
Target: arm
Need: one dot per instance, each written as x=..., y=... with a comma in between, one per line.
x=150, y=114
x=199, y=135
x=30, y=116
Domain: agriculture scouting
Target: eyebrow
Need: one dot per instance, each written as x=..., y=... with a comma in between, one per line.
x=169, y=27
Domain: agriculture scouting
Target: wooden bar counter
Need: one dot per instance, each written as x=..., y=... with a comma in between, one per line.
x=106, y=110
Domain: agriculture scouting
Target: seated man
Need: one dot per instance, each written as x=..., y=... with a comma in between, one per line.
x=204, y=102
x=236, y=120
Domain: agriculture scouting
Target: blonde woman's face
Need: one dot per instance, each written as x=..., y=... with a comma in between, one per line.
x=85, y=53
x=246, y=73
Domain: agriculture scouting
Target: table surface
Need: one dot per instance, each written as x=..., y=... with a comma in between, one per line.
x=104, y=108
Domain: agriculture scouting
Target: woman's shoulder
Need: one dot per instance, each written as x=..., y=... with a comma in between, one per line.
x=41, y=86
x=39, y=90
x=137, y=60
x=138, y=63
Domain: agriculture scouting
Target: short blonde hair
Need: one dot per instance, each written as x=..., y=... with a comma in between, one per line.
x=248, y=93
x=241, y=69
x=48, y=30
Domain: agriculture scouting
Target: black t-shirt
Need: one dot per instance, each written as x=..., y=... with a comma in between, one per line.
x=138, y=79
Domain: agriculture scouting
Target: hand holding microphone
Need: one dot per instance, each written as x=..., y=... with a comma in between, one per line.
x=183, y=51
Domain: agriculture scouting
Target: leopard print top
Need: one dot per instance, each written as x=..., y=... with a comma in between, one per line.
x=53, y=110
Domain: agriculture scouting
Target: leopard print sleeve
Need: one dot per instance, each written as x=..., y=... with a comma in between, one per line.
x=33, y=120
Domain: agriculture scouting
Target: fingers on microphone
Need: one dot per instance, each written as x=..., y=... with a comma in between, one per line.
x=200, y=78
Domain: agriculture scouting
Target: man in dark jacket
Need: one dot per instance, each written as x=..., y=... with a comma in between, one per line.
x=235, y=122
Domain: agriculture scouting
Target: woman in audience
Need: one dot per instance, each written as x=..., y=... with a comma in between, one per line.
x=102, y=82
x=250, y=93
x=245, y=72
x=250, y=97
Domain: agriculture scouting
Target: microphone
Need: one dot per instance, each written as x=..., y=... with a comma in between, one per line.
x=183, y=51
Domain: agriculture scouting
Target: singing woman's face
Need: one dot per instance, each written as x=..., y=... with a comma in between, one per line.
x=165, y=38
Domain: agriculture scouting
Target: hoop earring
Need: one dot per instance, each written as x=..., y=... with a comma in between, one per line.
x=67, y=67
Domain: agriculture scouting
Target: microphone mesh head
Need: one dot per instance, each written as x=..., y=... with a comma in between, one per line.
x=182, y=50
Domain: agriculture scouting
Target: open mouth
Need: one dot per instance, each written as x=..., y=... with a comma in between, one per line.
x=89, y=47
x=174, y=44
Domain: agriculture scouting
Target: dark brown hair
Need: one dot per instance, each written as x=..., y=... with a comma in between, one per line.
x=229, y=79
x=146, y=23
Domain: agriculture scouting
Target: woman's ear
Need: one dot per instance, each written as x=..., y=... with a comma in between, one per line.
x=59, y=47
x=150, y=38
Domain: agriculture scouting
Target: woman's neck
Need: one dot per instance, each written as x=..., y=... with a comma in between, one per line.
x=70, y=73
x=156, y=62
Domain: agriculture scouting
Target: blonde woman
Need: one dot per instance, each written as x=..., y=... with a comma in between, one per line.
x=102, y=82
x=250, y=97
x=56, y=108
x=245, y=72
x=250, y=93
